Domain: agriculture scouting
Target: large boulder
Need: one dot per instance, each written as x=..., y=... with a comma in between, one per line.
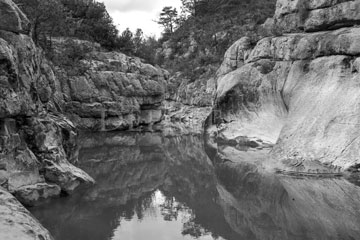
x=297, y=92
x=17, y=223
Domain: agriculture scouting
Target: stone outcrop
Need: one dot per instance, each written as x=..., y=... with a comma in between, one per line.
x=12, y=19
x=31, y=137
x=312, y=15
x=16, y=222
x=37, y=142
x=199, y=93
x=297, y=92
x=113, y=91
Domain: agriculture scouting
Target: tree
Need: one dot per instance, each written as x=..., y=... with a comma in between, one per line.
x=168, y=19
x=125, y=42
x=138, y=39
x=188, y=6
x=147, y=50
x=47, y=18
x=83, y=19
x=91, y=21
x=194, y=7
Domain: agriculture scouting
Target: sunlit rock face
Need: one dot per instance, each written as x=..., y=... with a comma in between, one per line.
x=17, y=223
x=35, y=146
x=312, y=15
x=114, y=91
x=297, y=92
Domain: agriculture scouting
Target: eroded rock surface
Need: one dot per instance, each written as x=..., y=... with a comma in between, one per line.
x=297, y=92
x=35, y=137
x=312, y=15
x=114, y=91
x=16, y=223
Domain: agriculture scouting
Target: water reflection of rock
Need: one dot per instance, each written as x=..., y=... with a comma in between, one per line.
x=260, y=205
x=128, y=169
x=227, y=197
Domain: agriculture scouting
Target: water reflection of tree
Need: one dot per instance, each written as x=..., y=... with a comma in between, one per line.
x=171, y=210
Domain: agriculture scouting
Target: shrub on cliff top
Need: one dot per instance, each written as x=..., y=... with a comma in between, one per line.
x=83, y=19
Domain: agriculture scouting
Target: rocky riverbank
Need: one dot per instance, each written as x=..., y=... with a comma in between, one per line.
x=288, y=104
x=37, y=142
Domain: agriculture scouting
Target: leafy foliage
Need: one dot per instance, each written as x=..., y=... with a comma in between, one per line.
x=211, y=26
x=47, y=18
x=83, y=19
x=71, y=57
x=168, y=19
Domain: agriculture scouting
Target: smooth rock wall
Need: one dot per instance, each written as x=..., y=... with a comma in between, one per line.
x=298, y=92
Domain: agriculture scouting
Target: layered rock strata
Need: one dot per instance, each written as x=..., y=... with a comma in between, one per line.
x=112, y=91
x=37, y=142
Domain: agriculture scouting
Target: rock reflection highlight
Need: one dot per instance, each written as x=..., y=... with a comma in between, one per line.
x=154, y=187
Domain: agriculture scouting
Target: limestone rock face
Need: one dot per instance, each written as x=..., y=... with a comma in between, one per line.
x=199, y=93
x=115, y=92
x=312, y=15
x=12, y=19
x=16, y=223
x=32, y=139
x=235, y=56
x=298, y=92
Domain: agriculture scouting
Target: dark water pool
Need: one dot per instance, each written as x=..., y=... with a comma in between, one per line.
x=154, y=188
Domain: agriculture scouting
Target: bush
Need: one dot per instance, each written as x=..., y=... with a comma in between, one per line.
x=71, y=57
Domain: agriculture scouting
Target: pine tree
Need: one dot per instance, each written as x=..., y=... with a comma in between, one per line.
x=168, y=19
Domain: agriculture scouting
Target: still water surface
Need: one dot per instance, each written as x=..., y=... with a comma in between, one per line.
x=151, y=187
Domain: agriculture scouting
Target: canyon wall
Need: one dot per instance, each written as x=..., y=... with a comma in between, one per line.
x=42, y=106
x=297, y=92
x=109, y=90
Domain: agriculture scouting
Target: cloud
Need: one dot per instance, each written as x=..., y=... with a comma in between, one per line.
x=139, y=5
x=137, y=19
x=131, y=5
x=138, y=14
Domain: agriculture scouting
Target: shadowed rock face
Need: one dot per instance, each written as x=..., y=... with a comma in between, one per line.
x=232, y=200
x=35, y=146
x=298, y=92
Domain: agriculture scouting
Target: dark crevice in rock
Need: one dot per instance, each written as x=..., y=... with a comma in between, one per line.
x=334, y=26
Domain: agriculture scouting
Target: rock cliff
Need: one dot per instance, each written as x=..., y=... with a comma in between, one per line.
x=112, y=91
x=297, y=92
x=37, y=143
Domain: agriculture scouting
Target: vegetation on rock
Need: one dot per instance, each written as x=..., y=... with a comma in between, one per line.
x=209, y=29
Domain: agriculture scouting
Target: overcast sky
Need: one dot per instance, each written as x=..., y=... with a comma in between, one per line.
x=138, y=14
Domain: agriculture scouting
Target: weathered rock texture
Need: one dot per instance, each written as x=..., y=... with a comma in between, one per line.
x=314, y=15
x=17, y=223
x=114, y=91
x=298, y=92
x=37, y=143
x=32, y=139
